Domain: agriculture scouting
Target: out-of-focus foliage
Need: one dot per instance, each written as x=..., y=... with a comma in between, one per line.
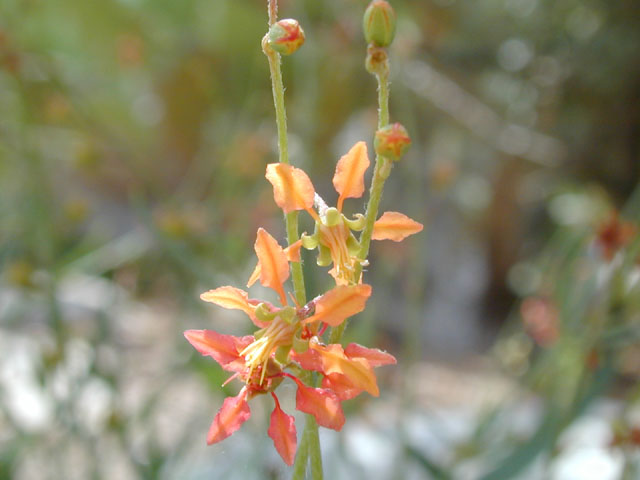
x=133, y=140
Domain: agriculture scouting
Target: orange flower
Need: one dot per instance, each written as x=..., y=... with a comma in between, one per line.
x=260, y=360
x=333, y=235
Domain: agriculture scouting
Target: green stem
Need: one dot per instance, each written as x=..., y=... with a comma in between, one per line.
x=309, y=449
x=291, y=218
x=380, y=174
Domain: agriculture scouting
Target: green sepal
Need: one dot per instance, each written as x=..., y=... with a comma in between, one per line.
x=288, y=314
x=282, y=354
x=357, y=223
x=324, y=256
x=309, y=241
x=300, y=345
x=353, y=246
x=263, y=313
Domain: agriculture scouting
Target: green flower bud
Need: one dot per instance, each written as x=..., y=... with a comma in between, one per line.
x=286, y=36
x=392, y=141
x=379, y=23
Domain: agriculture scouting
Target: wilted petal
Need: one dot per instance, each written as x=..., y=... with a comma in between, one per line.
x=292, y=188
x=357, y=370
x=233, y=413
x=272, y=262
x=224, y=349
x=323, y=404
x=373, y=356
x=340, y=303
x=394, y=226
x=349, y=177
x=282, y=431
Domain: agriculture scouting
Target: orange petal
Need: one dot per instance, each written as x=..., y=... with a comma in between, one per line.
x=340, y=303
x=323, y=404
x=293, y=251
x=233, y=413
x=282, y=431
x=357, y=370
x=292, y=188
x=341, y=386
x=309, y=360
x=349, y=177
x=224, y=349
x=232, y=298
x=373, y=356
x=394, y=226
x=273, y=264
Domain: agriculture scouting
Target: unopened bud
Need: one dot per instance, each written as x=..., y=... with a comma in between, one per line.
x=392, y=141
x=379, y=23
x=286, y=36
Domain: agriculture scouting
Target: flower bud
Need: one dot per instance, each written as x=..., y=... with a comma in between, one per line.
x=379, y=23
x=392, y=141
x=286, y=36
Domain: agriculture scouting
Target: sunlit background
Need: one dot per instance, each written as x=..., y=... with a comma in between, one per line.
x=134, y=136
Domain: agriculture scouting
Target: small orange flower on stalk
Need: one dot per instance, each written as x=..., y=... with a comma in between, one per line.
x=333, y=235
x=288, y=337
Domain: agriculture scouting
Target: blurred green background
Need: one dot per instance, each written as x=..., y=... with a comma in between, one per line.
x=134, y=136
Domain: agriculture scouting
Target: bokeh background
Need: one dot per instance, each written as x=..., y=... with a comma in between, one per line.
x=134, y=136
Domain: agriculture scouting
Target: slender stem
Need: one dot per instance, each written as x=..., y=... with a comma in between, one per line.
x=380, y=174
x=309, y=449
x=291, y=219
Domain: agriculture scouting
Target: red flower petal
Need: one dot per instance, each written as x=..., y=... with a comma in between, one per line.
x=233, y=413
x=224, y=349
x=357, y=370
x=323, y=404
x=373, y=356
x=282, y=431
x=341, y=386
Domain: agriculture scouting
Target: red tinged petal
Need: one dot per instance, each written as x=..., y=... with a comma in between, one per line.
x=340, y=303
x=341, y=386
x=272, y=262
x=309, y=360
x=224, y=349
x=233, y=413
x=394, y=226
x=357, y=370
x=349, y=177
x=373, y=356
x=232, y=298
x=282, y=431
x=292, y=188
x=323, y=404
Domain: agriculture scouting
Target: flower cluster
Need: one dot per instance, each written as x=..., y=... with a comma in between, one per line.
x=288, y=341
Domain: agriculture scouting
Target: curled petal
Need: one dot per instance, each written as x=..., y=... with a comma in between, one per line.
x=340, y=303
x=224, y=349
x=231, y=298
x=233, y=413
x=272, y=263
x=373, y=356
x=282, y=431
x=349, y=177
x=394, y=226
x=292, y=188
x=323, y=404
x=357, y=370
